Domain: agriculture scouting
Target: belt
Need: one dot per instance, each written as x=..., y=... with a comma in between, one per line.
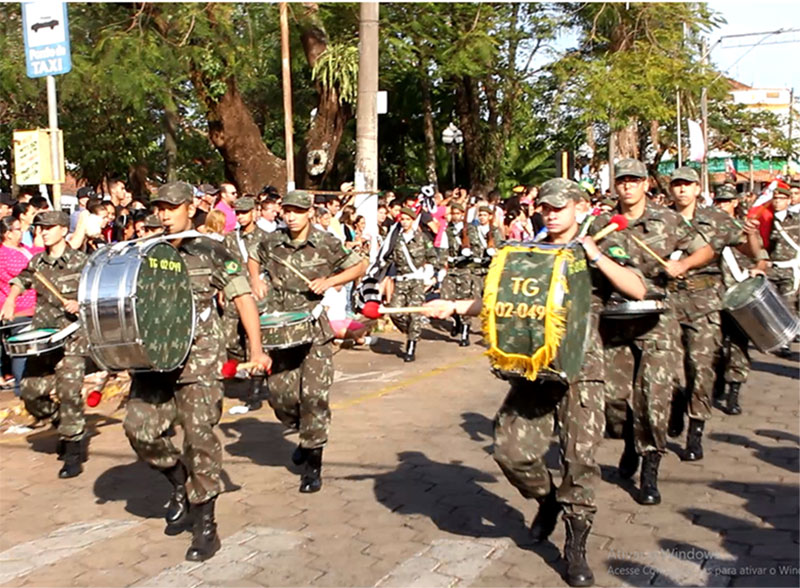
x=693, y=283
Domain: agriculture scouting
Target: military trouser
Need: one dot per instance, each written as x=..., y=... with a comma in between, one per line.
x=153, y=409
x=641, y=375
x=235, y=339
x=523, y=429
x=65, y=378
x=736, y=354
x=299, y=386
x=702, y=340
x=408, y=293
x=462, y=284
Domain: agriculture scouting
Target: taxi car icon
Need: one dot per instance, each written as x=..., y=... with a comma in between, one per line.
x=48, y=24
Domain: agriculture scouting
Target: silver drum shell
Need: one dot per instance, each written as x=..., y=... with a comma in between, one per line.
x=765, y=317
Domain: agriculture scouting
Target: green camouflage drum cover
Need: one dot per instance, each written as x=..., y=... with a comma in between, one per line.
x=164, y=307
x=536, y=308
x=282, y=330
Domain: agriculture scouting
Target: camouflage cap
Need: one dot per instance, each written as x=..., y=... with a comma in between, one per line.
x=559, y=191
x=151, y=221
x=298, y=199
x=408, y=212
x=486, y=209
x=457, y=206
x=725, y=192
x=630, y=167
x=208, y=189
x=51, y=218
x=174, y=193
x=245, y=204
x=684, y=174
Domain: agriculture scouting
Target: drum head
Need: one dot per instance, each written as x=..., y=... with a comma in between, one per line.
x=164, y=306
x=740, y=294
x=282, y=318
x=32, y=335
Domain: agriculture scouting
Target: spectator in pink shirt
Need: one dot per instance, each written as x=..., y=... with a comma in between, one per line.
x=227, y=196
x=14, y=258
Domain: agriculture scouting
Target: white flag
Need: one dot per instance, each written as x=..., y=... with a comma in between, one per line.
x=697, y=147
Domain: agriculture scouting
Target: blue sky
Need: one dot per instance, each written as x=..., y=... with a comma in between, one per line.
x=764, y=66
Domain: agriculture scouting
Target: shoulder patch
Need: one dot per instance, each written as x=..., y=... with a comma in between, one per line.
x=618, y=252
x=231, y=267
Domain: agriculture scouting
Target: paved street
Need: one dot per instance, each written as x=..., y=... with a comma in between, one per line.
x=411, y=495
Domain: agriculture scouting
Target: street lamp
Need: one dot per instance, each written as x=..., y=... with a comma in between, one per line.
x=452, y=137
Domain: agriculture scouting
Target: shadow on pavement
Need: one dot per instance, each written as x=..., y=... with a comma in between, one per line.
x=782, y=457
x=46, y=440
x=261, y=442
x=144, y=490
x=779, y=369
x=479, y=427
x=451, y=496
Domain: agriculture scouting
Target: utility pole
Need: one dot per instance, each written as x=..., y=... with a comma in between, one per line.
x=680, y=142
x=366, y=176
x=52, y=119
x=790, y=152
x=704, y=109
x=286, y=70
x=612, y=147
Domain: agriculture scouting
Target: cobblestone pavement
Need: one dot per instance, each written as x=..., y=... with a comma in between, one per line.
x=411, y=495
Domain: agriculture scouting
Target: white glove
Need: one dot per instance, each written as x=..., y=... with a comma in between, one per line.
x=466, y=252
x=491, y=251
x=440, y=276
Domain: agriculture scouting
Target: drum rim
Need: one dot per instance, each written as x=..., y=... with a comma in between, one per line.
x=41, y=331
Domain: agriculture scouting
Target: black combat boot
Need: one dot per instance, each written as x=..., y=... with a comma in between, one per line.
x=578, y=571
x=312, y=477
x=411, y=350
x=205, y=540
x=648, y=482
x=677, y=410
x=732, y=406
x=299, y=456
x=546, y=518
x=464, y=336
x=629, y=462
x=694, y=441
x=178, y=505
x=456, y=328
x=73, y=456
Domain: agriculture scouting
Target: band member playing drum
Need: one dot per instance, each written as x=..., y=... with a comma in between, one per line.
x=645, y=350
x=302, y=262
x=524, y=423
x=59, y=371
x=697, y=301
x=191, y=396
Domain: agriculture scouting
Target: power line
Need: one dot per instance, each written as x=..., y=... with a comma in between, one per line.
x=763, y=44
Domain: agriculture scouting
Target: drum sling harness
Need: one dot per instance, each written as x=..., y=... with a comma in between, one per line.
x=793, y=263
x=416, y=273
x=729, y=258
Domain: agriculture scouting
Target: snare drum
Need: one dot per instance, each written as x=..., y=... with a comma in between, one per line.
x=136, y=302
x=33, y=342
x=631, y=309
x=284, y=330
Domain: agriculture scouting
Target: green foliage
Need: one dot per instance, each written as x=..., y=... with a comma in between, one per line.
x=337, y=69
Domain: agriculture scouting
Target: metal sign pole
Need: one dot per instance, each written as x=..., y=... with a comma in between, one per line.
x=52, y=119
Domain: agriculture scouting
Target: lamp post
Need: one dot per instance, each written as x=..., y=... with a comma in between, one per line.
x=452, y=137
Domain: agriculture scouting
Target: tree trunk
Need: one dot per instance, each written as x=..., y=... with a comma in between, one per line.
x=325, y=133
x=627, y=141
x=468, y=108
x=427, y=125
x=171, y=142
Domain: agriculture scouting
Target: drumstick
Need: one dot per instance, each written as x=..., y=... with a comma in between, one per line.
x=292, y=269
x=644, y=246
x=372, y=310
x=50, y=286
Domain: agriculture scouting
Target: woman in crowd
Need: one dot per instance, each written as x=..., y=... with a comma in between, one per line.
x=14, y=258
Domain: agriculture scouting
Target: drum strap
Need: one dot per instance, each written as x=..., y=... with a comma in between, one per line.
x=414, y=271
x=794, y=263
x=730, y=260
x=240, y=243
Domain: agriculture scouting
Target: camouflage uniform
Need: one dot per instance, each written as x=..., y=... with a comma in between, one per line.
x=697, y=302
x=61, y=371
x=735, y=356
x=523, y=427
x=409, y=289
x=781, y=251
x=302, y=375
x=190, y=396
x=460, y=282
x=644, y=351
x=481, y=254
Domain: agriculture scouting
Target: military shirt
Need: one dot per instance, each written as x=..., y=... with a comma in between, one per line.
x=319, y=256
x=65, y=274
x=241, y=252
x=420, y=249
x=211, y=269
x=454, y=245
x=779, y=248
x=718, y=230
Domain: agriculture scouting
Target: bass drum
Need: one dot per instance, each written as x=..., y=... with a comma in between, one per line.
x=136, y=303
x=761, y=313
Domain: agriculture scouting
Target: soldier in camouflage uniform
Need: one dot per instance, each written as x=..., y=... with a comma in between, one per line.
x=52, y=383
x=736, y=267
x=784, y=253
x=524, y=424
x=415, y=259
x=460, y=281
x=697, y=301
x=302, y=374
x=645, y=349
x=191, y=396
x=487, y=239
